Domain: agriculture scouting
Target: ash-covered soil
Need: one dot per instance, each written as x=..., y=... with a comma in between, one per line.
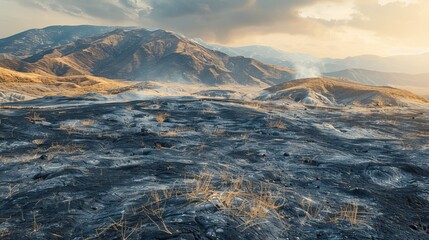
x=185, y=168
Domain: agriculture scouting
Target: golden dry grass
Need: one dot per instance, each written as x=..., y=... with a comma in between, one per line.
x=87, y=122
x=350, y=213
x=36, y=226
x=34, y=117
x=311, y=209
x=277, y=124
x=38, y=142
x=40, y=84
x=161, y=117
x=121, y=225
x=236, y=196
x=64, y=148
x=254, y=105
x=156, y=208
x=348, y=89
x=172, y=132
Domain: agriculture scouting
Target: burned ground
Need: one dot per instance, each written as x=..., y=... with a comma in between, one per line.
x=161, y=169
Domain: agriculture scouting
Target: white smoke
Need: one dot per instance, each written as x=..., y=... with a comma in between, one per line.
x=307, y=70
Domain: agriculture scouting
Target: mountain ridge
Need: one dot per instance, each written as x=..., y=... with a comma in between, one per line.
x=32, y=41
x=141, y=54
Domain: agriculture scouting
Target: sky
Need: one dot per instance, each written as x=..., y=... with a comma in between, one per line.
x=324, y=28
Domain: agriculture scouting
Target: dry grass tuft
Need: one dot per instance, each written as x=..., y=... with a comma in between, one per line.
x=236, y=196
x=36, y=226
x=161, y=117
x=34, y=117
x=121, y=226
x=254, y=105
x=311, y=209
x=67, y=128
x=155, y=209
x=87, y=122
x=64, y=148
x=38, y=142
x=277, y=124
x=172, y=132
x=349, y=213
x=11, y=190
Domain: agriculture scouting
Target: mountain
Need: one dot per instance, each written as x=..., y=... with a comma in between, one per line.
x=36, y=40
x=411, y=64
x=382, y=78
x=141, y=54
x=16, y=86
x=265, y=54
x=308, y=65
x=331, y=92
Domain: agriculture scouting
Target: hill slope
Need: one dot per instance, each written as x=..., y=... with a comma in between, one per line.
x=325, y=91
x=15, y=86
x=33, y=41
x=417, y=83
x=149, y=55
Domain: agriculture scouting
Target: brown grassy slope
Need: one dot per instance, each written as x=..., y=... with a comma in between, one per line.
x=347, y=92
x=36, y=85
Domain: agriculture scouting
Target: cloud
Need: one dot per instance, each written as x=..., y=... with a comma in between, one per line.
x=398, y=22
x=330, y=11
x=404, y=2
x=102, y=9
x=218, y=20
x=222, y=20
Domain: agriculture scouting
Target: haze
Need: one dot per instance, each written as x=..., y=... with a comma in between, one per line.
x=325, y=28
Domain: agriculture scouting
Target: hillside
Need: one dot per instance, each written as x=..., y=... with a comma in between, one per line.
x=149, y=55
x=16, y=86
x=33, y=41
x=325, y=91
x=382, y=78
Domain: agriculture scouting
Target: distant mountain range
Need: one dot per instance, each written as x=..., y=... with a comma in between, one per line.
x=382, y=78
x=410, y=64
x=265, y=54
